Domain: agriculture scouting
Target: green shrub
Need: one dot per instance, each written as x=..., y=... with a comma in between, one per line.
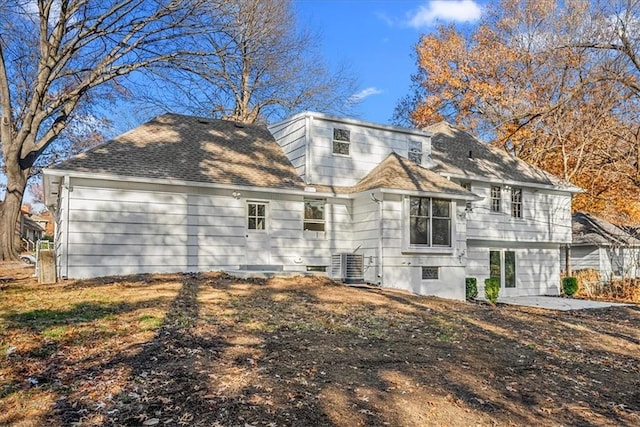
x=569, y=285
x=491, y=289
x=471, y=284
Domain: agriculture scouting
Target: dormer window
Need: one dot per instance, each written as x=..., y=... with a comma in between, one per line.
x=415, y=151
x=341, y=141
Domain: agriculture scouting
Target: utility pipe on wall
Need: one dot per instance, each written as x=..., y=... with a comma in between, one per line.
x=380, y=230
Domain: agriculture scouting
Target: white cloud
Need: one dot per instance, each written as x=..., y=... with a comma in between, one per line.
x=365, y=93
x=31, y=9
x=442, y=10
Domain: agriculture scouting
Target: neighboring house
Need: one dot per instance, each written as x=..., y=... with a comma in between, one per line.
x=605, y=247
x=30, y=230
x=183, y=193
x=45, y=220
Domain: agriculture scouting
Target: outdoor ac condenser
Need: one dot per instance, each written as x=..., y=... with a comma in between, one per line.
x=347, y=267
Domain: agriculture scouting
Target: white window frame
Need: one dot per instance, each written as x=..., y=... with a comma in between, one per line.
x=322, y=221
x=495, y=199
x=503, y=267
x=516, y=205
x=265, y=216
x=335, y=141
x=415, y=151
x=409, y=247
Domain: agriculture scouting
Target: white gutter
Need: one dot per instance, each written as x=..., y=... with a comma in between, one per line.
x=359, y=123
x=183, y=183
x=570, y=188
x=424, y=194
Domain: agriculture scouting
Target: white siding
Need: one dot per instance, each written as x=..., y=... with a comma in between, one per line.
x=403, y=268
x=583, y=257
x=154, y=228
x=366, y=232
x=546, y=217
x=537, y=268
x=368, y=147
x=291, y=135
x=62, y=229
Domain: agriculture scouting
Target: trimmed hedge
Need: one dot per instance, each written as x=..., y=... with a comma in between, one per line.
x=471, y=284
x=492, y=289
x=569, y=285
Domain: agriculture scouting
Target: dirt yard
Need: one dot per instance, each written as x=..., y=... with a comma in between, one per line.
x=210, y=350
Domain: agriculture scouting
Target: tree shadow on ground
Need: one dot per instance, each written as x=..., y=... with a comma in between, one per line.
x=306, y=352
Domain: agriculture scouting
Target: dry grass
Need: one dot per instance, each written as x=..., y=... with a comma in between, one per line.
x=212, y=350
x=621, y=290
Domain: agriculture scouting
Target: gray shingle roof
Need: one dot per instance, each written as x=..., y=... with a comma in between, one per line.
x=458, y=153
x=590, y=230
x=185, y=148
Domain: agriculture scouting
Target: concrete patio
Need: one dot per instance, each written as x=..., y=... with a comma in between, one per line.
x=558, y=303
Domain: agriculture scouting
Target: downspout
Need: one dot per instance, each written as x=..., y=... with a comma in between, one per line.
x=66, y=185
x=380, y=246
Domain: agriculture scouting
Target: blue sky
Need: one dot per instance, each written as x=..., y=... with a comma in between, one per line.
x=376, y=38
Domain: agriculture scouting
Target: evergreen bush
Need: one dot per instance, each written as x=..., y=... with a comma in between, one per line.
x=471, y=284
x=491, y=289
x=569, y=285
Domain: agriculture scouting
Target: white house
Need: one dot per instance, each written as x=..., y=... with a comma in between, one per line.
x=413, y=209
x=602, y=246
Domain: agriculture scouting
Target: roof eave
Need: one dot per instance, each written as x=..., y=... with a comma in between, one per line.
x=569, y=188
x=354, y=122
x=420, y=193
x=177, y=182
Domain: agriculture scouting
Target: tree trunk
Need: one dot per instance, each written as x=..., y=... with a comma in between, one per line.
x=10, y=215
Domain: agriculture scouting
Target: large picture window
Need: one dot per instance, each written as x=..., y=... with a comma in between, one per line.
x=314, y=219
x=430, y=221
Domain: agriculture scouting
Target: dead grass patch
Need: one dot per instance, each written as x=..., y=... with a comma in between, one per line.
x=212, y=350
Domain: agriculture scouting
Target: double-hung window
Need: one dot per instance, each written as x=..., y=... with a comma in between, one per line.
x=496, y=198
x=314, y=219
x=429, y=222
x=516, y=202
x=415, y=151
x=341, y=141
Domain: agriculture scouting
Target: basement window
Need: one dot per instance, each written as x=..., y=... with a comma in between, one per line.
x=430, y=273
x=317, y=268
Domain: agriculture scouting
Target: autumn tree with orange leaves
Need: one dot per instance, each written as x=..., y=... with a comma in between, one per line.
x=554, y=83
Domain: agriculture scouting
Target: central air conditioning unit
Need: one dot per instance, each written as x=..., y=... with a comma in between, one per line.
x=347, y=267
